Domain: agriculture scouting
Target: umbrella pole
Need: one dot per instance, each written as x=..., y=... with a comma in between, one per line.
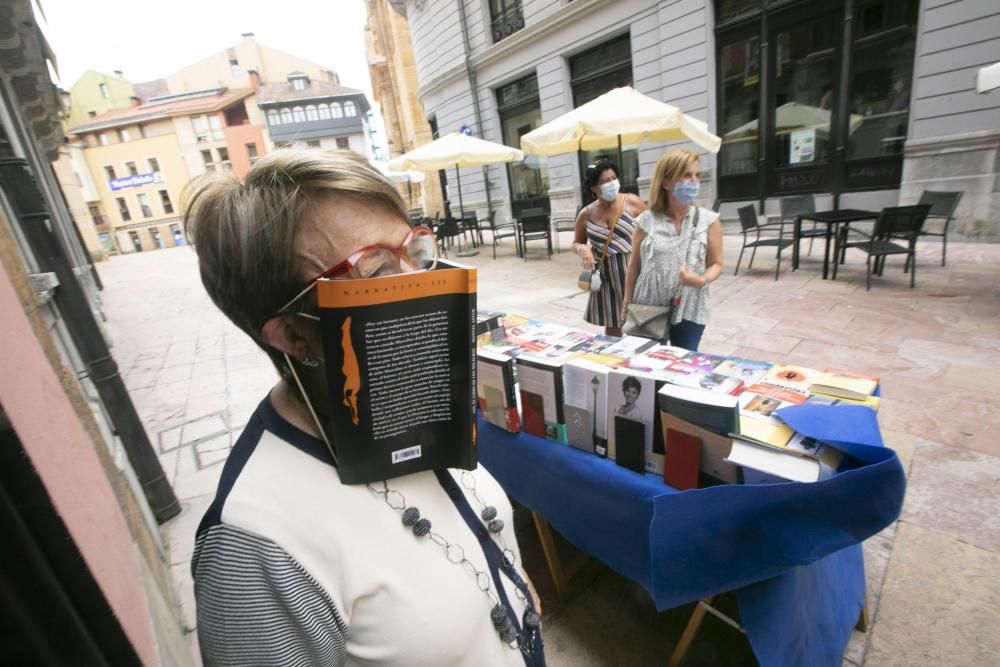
x=620, y=165
x=461, y=215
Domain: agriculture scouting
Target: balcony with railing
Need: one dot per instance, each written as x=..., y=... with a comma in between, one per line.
x=506, y=18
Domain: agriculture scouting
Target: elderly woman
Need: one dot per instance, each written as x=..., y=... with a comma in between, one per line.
x=603, y=239
x=679, y=249
x=291, y=566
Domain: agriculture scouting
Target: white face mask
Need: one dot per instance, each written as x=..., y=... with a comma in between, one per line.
x=609, y=190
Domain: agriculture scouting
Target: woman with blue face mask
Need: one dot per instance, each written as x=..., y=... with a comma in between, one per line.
x=596, y=227
x=678, y=249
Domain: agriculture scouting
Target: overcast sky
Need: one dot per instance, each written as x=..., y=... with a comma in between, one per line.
x=149, y=40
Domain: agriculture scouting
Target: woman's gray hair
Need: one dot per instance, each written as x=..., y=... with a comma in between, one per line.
x=244, y=233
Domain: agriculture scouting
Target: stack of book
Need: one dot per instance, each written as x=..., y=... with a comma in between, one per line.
x=696, y=418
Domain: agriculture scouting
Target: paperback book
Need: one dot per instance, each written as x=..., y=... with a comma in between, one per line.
x=843, y=384
x=540, y=384
x=631, y=418
x=869, y=401
x=748, y=370
x=715, y=412
x=489, y=327
x=758, y=421
x=495, y=390
x=401, y=352
x=801, y=460
x=585, y=385
x=678, y=437
x=699, y=362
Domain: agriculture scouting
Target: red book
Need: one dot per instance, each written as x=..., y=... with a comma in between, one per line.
x=681, y=460
x=533, y=407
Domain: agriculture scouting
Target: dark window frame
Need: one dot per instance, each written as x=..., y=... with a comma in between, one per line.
x=524, y=99
x=842, y=174
x=612, y=73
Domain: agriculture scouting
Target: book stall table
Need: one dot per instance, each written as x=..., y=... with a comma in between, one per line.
x=790, y=552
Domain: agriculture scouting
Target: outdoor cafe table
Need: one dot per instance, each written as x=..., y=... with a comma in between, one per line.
x=831, y=219
x=790, y=552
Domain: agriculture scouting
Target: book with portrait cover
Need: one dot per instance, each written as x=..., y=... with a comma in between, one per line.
x=400, y=364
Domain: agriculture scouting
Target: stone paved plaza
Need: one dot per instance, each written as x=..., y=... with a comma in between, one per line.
x=932, y=585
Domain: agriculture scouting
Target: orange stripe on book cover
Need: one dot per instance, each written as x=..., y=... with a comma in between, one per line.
x=390, y=289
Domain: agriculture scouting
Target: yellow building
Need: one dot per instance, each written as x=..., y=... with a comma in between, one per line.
x=78, y=188
x=142, y=157
x=394, y=85
x=204, y=117
x=95, y=93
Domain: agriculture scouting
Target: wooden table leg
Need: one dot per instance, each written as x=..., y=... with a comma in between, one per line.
x=551, y=556
x=684, y=643
x=862, y=625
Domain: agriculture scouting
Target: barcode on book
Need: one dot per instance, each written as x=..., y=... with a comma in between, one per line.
x=401, y=455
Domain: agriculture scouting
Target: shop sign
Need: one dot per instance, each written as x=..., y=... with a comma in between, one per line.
x=136, y=181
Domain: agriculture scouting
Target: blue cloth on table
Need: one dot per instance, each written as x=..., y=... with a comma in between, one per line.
x=791, y=548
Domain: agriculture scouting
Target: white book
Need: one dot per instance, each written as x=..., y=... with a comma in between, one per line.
x=774, y=462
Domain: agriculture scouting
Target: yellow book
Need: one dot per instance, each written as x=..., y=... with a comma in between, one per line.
x=825, y=399
x=776, y=435
x=842, y=385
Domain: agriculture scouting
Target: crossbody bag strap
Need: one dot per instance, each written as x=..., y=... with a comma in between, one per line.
x=676, y=301
x=611, y=230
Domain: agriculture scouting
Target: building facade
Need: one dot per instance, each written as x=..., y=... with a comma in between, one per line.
x=141, y=157
x=864, y=103
x=393, y=74
x=305, y=113
x=83, y=568
x=96, y=92
x=133, y=159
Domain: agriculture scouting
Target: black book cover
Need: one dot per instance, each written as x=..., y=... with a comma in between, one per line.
x=718, y=413
x=403, y=365
x=630, y=444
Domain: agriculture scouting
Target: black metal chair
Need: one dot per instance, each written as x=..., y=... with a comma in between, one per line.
x=796, y=205
x=533, y=225
x=504, y=230
x=439, y=233
x=943, y=205
x=564, y=224
x=750, y=224
x=894, y=222
x=469, y=223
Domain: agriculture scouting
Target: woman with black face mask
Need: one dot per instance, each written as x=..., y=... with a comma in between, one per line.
x=603, y=240
x=679, y=249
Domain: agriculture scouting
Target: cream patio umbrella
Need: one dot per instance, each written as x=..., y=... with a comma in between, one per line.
x=620, y=116
x=794, y=116
x=407, y=177
x=455, y=150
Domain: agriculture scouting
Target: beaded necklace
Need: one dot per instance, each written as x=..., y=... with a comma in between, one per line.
x=527, y=639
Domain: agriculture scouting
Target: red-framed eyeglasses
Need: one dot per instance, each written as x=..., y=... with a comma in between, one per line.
x=417, y=252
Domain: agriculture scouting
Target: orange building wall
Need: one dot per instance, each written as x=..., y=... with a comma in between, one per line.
x=237, y=137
